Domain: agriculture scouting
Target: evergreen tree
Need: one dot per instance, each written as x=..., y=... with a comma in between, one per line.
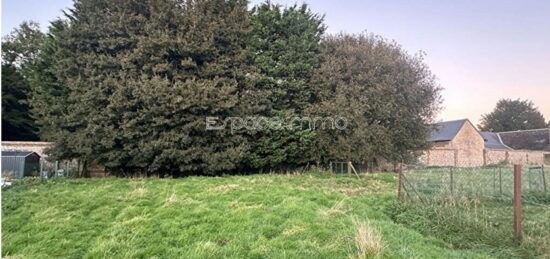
x=143, y=76
x=16, y=121
x=285, y=43
x=49, y=95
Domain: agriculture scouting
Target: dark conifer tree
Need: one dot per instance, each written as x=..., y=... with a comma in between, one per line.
x=285, y=43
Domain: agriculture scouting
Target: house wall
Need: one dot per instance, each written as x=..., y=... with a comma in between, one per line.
x=469, y=145
x=439, y=157
x=451, y=157
x=466, y=149
x=494, y=156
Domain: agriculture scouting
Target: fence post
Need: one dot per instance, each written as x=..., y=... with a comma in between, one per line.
x=543, y=178
x=456, y=157
x=517, y=202
x=451, y=174
x=400, y=182
x=500, y=179
x=330, y=166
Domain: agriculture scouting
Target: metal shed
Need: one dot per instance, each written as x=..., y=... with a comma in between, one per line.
x=17, y=164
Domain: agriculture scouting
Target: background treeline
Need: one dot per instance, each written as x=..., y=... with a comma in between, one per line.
x=128, y=84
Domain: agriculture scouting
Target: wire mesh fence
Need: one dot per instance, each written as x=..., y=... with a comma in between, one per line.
x=482, y=199
x=497, y=182
x=55, y=169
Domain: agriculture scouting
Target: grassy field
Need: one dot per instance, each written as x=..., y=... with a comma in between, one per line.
x=305, y=215
x=277, y=216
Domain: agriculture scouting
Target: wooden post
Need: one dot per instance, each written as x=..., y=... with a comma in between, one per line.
x=330, y=166
x=400, y=182
x=349, y=168
x=352, y=168
x=517, y=202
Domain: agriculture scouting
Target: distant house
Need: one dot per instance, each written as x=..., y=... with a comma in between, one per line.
x=459, y=143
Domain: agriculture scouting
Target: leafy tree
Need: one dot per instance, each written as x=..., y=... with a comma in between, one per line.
x=386, y=96
x=22, y=44
x=285, y=43
x=511, y=115
x=18, y=49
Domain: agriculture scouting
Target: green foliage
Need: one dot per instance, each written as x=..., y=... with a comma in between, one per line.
x=142, y=77
x=285, y=43
x=510, y=115
x=48, y=93
x=308, y=215
x=129, y=85
x=22, y=44
x=16, y=121
x=387, y=96
x=19, y=48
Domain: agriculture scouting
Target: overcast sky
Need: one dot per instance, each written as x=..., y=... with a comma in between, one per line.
x=480, y=51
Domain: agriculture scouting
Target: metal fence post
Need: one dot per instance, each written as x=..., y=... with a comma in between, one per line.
x=400, y=182
x=543, y=178
x=517, y=202
x=500, y=179
x=451, y=174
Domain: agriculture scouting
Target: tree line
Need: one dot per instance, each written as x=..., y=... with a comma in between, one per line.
x=128, y=84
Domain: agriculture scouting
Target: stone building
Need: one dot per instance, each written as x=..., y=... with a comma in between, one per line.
x=459, y=143
x=537, y=140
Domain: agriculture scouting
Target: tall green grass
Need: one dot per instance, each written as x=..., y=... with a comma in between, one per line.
x=477, y=212
x=306, y=215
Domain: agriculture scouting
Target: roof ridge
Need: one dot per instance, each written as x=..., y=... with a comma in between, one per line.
x=452, y=121
x=502, y=142
x=512, y=131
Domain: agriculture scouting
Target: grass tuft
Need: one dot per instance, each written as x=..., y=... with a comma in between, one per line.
x=368, y=241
